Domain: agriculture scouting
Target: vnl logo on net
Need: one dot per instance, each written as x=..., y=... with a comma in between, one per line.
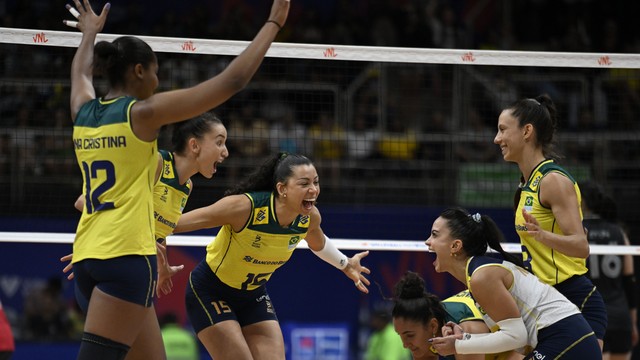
x=40, y=38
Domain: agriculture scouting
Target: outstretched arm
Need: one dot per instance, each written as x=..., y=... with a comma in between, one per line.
x=82, y=66
x=322, y=247
x=231, y=210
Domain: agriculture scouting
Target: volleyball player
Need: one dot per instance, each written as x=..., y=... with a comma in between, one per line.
x=115, y=143
x=262, y=219
x=199, y=146
x=548, y=218
x=419, y=316
x=612, y=274
x=527, y=312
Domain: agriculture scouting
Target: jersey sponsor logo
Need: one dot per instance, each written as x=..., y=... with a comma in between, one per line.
x=256, y=242
x=528, y=203
x=164, y=221
x=105, y=142
x=255, y=261
x=536, y=181
x=293, y=241
x=168, y=170
x=261, y=216
x=165, y=192
x=304, y=221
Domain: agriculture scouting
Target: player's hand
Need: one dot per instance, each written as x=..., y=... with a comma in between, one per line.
x=355, y=272
x=88, y=21
x=280, y=11
x=532, y=225
x=165, y=272
x=69, y=266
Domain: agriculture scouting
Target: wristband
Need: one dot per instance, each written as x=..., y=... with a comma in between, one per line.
x=512, y=335
x=332, y=255
x=275, y=22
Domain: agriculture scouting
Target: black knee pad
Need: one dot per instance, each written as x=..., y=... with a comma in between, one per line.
x=96, y=347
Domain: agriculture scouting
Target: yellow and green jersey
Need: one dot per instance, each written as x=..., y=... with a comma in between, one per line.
x=169, y=197
x=118, y=171
x=551, y=266
x=246, y=259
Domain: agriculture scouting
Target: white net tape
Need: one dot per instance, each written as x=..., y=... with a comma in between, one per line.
x=344, y=244
x=341, y=52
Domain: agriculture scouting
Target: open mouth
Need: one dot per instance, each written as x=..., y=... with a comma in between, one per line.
x=308, y=204
x=215, y=166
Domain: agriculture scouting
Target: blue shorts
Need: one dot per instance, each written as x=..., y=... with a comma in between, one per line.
x=210, y=301
x=131, y=278
x=580, y=290
x=569, y=338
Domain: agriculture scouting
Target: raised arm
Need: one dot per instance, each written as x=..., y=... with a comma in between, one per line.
x=557, y=193
x=231, y=210
x=172, y=106
x=82, y=66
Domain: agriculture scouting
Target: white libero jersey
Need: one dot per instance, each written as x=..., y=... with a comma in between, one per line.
x=540, y=305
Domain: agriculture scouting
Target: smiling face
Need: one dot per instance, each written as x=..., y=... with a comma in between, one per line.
x=415, y=336
x=510, y=136
x=211, y=150
x=440, y=242
x=302, y=189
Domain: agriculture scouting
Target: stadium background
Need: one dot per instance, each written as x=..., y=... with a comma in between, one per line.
x=429, y=127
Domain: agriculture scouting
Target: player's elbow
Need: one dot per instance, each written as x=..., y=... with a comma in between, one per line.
x=583, y=249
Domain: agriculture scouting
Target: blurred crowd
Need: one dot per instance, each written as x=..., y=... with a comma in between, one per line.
x=394, y=121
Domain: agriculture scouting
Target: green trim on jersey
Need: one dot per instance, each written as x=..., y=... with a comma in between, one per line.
x=551, y=266
x=461, y=307
x=246, y=259
x=99, y=112
x=169, y=196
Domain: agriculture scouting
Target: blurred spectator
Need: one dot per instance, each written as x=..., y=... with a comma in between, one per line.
x=24, y=142
x=7, y=345
x=248, y=134
x=384, y=343
x=247, y=140
x=613, y=275
x=328, y=142
x=286, y=134
x=179, y=343
x=5, y=153
x=476, y=140
x=46, y=316
x=399, y=142
x=362, y=140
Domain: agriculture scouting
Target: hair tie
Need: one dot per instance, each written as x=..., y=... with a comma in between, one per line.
x=476, y=217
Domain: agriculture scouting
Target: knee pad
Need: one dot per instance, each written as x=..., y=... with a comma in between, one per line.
x=96, y=347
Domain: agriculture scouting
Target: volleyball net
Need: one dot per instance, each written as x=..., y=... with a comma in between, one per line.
x=388, y=128
x=344, y=244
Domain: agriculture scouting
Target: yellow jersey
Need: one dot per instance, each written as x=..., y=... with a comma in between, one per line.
x=118, y=172
x=551, y=266
x=246, y=259
x=169, y=197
